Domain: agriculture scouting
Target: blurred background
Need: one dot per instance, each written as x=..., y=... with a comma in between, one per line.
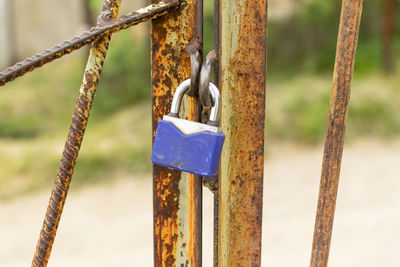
x=108, y=216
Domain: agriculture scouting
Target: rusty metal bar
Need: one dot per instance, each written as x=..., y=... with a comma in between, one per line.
x=77, y=129
x=216, y=74
x=343, y=74
x=177, y=197
x=195, y=184
x=212, y=183
x=242, y=68
x=388, y=25
x=105, y=27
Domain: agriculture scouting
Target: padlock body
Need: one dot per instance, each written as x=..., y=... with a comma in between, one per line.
x=188, y=146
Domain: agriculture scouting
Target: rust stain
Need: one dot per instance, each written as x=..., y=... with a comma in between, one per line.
x=343, y=74
x=195, y=182
x=194, y=229
x=107, y=24
x=170, y=66
x=242, y=59
x=195, y=204
x=77, y=129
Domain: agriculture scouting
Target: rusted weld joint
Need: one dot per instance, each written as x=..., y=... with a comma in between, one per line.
x=109, y=13
x=105, y=18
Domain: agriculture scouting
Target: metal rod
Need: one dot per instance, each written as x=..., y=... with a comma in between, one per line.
x=77, y=129
x=242, y=69
x=177, y=197
x=343, y=74
x=196, y=183
x=388, y=25
x=217, y=32
x=85, y=38
x=192, y=193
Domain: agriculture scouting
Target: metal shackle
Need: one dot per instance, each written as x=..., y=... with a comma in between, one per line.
x=181, y=90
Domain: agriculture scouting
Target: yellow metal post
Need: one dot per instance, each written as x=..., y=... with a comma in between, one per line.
x=242, y=69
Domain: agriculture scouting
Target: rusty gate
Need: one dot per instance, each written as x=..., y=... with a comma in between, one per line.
x=240, y=44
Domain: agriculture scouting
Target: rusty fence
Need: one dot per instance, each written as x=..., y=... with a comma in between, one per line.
x=240, y=45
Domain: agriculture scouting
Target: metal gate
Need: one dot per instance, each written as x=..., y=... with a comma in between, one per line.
x=240, y=42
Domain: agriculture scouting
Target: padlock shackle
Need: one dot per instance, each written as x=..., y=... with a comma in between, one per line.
x=181, y=90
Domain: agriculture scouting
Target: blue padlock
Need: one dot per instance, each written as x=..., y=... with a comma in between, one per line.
x=189, y=146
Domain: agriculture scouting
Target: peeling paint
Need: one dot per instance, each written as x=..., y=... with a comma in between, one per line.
x=177, y=198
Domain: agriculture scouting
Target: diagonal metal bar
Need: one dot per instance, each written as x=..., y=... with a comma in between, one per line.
x=105, y=27
x=343, y=74
x=77, y=129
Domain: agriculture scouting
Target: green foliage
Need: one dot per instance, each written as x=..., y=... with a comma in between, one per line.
x=208, y=29
x=36, y=109
x=306, y=41
x=375, y=117
x=308, y=116
x=297, y=109
x=41, y=102
x=95, y=5
x=126, y=76
x=301, y=52
x=25, y=127
x=117, y=146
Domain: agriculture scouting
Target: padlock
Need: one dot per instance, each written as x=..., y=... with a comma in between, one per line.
x=189, y=146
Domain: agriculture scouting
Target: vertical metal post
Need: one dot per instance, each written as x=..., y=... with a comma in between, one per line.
x=216, y=196
x=195, y=182
x=177, y=197
x=242, y=68
x=343, y=74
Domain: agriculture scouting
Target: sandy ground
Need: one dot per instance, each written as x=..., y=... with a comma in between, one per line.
x=111, y=225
